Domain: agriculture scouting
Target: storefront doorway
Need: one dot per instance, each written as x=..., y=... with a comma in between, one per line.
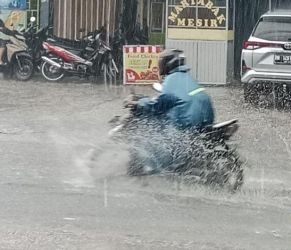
x=33, y=9
x=204, y=31
x=156, y=13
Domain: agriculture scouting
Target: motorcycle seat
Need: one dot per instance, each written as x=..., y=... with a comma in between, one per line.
x=51, y=40
x=67, y=47
x=222, y=130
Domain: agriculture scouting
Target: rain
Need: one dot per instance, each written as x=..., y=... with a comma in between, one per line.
x=86, y=166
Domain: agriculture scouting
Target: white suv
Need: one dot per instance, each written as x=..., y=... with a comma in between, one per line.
x=266, y=56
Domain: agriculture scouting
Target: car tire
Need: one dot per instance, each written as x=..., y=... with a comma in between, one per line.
x=283, y=95
x=263, y=94
x=249, y=93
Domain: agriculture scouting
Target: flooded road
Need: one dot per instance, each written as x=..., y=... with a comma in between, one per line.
x=57, y=193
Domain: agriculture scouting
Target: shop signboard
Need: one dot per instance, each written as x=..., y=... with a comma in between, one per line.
x=141, y=64
x=197, y=19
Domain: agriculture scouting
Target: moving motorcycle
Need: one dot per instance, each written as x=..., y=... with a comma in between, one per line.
x=156, y=147
x=95, y=58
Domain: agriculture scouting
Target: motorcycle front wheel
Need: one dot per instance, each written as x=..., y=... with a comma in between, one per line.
x=109, y=69
x=50, y=72
x=23, y=68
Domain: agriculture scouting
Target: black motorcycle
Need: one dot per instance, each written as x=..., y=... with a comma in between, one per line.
x=34, y=39
x=159, y=148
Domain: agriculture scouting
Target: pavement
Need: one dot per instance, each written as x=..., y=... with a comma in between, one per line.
x=64, y=186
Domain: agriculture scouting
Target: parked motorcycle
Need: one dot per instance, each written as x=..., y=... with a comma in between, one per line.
x=34, y=40
x=83, y=47
x=158, y=148
x=96, y=58
x=18, y=61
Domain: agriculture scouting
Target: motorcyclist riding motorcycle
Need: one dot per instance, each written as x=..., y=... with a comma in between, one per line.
x=195, y=147
x=182, y=100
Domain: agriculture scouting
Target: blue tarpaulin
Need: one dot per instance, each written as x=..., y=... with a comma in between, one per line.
x=13, y=4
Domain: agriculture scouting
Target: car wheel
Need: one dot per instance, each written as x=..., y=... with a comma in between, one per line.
x=250, y=94
x=262, y=94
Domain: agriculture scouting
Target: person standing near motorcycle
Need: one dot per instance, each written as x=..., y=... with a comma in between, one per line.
x=182, y=100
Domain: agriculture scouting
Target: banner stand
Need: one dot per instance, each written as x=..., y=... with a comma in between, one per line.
x=140, y=64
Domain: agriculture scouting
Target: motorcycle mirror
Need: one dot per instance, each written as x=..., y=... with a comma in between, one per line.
x=158, y=87
x=32, y=19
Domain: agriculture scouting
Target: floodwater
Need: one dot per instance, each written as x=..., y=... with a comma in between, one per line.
x=64, y=183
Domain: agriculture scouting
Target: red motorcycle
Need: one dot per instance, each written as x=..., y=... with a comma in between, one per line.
x=95, y=60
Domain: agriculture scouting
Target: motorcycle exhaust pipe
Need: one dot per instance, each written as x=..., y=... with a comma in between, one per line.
x=51, y=62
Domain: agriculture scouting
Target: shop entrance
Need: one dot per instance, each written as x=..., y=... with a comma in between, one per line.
x=156, y=13
x=33, y=9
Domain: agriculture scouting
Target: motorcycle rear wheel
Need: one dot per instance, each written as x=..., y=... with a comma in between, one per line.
x=23, y=68
x=50, y=72
x=230, y=176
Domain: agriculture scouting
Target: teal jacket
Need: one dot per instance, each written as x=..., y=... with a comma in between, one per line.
x=182, y=100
